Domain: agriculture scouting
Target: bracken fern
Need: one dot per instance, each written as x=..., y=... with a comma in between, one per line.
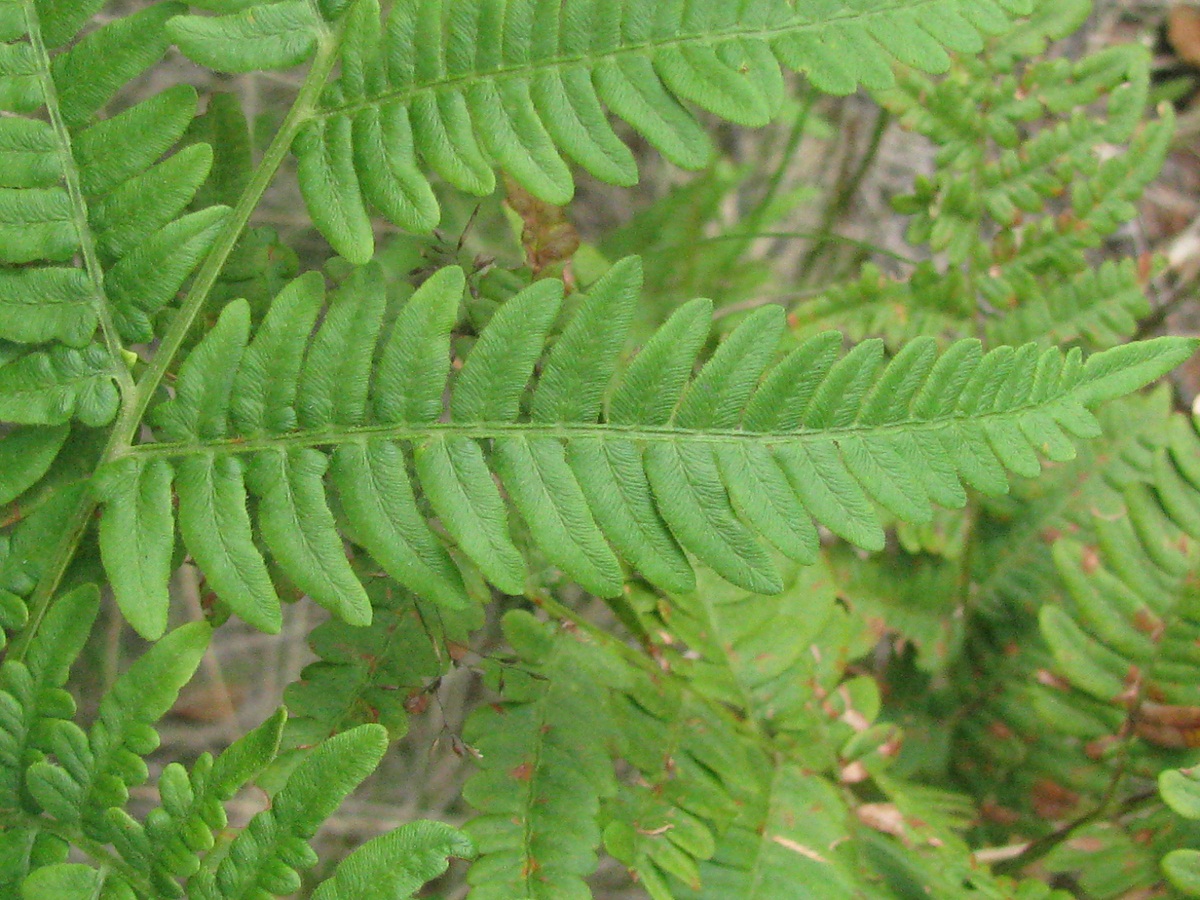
x=171, y=388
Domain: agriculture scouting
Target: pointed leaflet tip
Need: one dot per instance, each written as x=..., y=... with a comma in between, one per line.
x=1125, y=369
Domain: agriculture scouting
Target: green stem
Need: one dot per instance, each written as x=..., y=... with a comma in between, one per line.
x=846, y=192
x=135, y=403
x=421, y=433
x=1043, y=846
x=301, y=111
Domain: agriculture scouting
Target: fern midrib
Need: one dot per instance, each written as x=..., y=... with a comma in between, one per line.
x=559, y=431
x=761, y=873
x=79, y=211
x=545, y=729
x=591, y=61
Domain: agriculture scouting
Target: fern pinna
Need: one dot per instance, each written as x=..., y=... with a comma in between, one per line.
x=459, y=87
x=378, y=450
x=670, y=463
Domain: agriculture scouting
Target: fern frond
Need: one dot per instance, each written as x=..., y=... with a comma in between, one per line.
x=94, y=771
x=266, y=856
x=790, y=842
x=928, y=302
x=94, y=241
x=1132, y=609
x=913, y=595
x=712, y=810
x=178, y=834
x=1013, y=565
x=523, y=87
x=369, y=674
x=675, y=463
x=754, y=652
x=1099, y=308
x=32, y=695
x=1024, y=190
x=1109, y=687
x=693, y=774
x=25, y=553
x=543, y=768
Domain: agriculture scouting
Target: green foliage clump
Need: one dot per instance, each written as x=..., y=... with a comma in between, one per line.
x=910, y=616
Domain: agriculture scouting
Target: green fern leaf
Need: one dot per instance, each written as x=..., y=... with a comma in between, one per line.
x=26, y=554
x=581, y=366
x=25, y=456
x=461, y=87
x=374, y=486
x=613, y=478
x=369, y=674
x=261, y=35
x=542, y=770
x=263, y=394
x=90, y=73
x=395, y=865
x=544, y=490
x=51, y=387
x=460, y=488
x=215, y=526
x=31, y=692
x=299, y=529
x=265, y=856
x=178, y=834
x=92, y=192
x=95, y=771
x=692, y=767
x=1182, y=868
x=650, y=388
x=138, y=538
x=67, y=881
x=674, y=463
x=798, y=847
x=52, y=304
x=492, y=382
x=35, y=224
x=337, y=368
x=415, y=362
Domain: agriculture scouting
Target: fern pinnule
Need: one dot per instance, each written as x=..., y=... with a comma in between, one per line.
x=1025, y=189
x=372, y=673
x=176, y=835
x=398, y=863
